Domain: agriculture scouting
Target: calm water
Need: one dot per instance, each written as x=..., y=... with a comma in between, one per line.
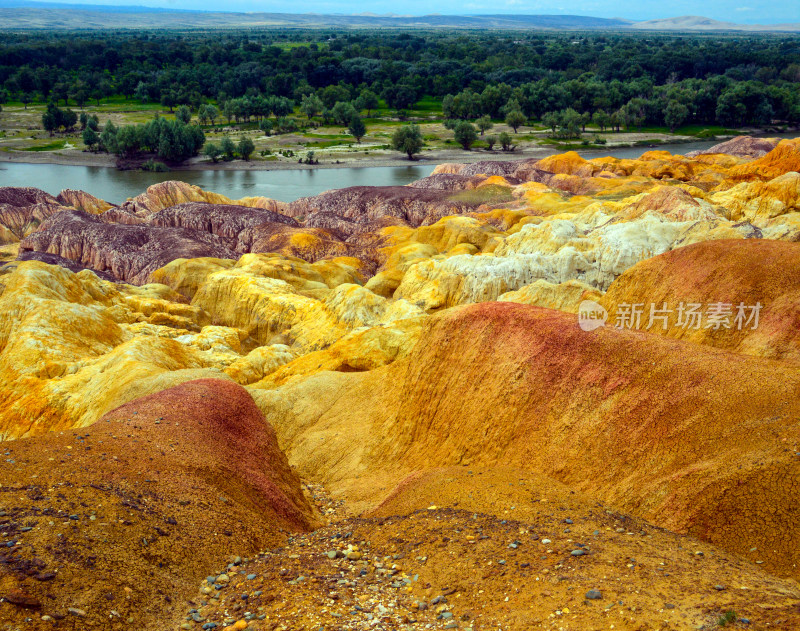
x=117, y=186
x=678, y=148
x=288, y=185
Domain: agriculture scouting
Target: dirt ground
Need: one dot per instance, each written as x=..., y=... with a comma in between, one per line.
x=538, y=556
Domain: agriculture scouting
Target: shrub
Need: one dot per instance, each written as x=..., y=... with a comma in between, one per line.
x=506, y=141
x=155, y=166
x=228, y=148
x=729, y=617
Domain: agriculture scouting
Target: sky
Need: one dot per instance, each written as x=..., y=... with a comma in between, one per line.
x=741, y=11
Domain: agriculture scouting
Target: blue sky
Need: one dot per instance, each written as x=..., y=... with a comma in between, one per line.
x=744, y=11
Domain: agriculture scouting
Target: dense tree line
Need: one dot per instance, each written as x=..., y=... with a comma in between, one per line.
x=171, y=140
x=55, y=119
x=227, y=150
x=636, y=78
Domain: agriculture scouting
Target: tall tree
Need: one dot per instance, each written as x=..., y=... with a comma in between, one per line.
x=245, y=148
x=551, y=120
x=343, y=112
x=407, y=139
x=50, y=118
x=484, y=123
x=311, y=105
x=357, y=129
x=183, y=114
x=108, y=138
x=465, y=134
x=515, y=119
x=675, y=114
x=369, y=101
x=91, y=139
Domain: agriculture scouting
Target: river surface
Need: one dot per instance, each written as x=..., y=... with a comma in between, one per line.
x=284, y=185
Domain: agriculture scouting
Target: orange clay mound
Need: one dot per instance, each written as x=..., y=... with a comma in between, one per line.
x=121, y=520
x=569, y=163
x=782, y=159
x=729, y=271
x=692, y=438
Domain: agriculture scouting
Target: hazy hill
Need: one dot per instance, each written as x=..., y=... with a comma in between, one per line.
x=29, y=14
x=48, y=15
x=699, y=23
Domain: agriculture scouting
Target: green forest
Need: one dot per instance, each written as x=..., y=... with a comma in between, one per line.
x=652, y=79
x=562, y=81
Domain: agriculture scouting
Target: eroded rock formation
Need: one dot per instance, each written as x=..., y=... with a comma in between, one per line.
x=395, y=333
x=22, y=210
x=129, y=252
x=740, y=147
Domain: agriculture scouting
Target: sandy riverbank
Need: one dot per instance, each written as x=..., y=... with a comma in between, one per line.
x=76, y=157
x=69, y=157
x=83, y=158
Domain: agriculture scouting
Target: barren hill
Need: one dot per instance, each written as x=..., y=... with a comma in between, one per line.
x=116, y=524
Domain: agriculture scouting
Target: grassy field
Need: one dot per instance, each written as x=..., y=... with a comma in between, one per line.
x=21, y=130
x=50, y=146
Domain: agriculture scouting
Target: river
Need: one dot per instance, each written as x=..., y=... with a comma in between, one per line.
x=284, y=185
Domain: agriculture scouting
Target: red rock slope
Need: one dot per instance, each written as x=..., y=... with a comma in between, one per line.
x=120, y=521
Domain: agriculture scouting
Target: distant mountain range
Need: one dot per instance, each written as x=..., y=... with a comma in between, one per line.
x=30, y=14
x=697, y=23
